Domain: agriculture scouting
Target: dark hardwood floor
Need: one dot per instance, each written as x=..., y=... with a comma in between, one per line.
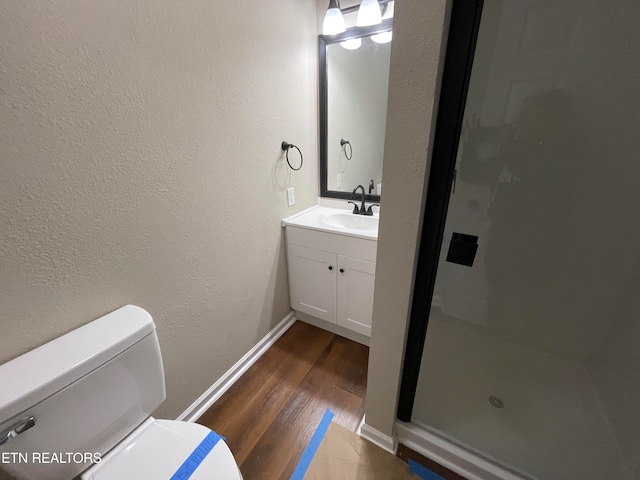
x=269, y=415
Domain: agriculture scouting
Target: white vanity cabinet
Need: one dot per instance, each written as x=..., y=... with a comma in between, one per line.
x=356, y=279
x=332, y=276
x=312, y=281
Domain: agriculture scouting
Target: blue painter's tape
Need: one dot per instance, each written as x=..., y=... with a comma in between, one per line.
x=423, y=472
x=312, y=448
x=198, y=455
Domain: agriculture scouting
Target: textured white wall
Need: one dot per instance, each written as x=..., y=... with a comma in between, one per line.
x=141, y=163
x=416, y=55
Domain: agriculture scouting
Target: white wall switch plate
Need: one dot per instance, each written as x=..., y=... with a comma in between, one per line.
x=339, y=181
x=291, y=196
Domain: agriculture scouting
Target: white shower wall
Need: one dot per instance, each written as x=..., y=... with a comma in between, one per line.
x=554, y=423
x=614, y=371
x=565, y=360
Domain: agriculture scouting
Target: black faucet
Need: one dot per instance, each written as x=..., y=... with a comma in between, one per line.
x=362, y=210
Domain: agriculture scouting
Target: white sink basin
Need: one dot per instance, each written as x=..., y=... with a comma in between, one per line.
x=336, y=220
x=351, y=221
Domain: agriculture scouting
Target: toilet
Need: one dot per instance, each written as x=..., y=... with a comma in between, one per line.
x=79, y=407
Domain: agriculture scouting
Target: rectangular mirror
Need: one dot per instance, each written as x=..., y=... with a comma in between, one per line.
x=354, y=80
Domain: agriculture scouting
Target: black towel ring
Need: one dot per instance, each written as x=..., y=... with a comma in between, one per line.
x=343, y=144
x=286, y=146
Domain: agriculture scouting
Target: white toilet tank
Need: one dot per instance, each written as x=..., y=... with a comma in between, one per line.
x=85, y=390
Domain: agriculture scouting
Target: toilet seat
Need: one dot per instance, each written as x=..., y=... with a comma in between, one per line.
x=158, y=448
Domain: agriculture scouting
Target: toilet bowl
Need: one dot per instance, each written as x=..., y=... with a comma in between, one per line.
x=80, y=407
x=158, y=448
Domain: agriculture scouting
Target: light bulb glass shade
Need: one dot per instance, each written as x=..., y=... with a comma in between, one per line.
x=389, y=11
x=333, y=22
x=369, y=13
x=352, y=44
x=384, y=37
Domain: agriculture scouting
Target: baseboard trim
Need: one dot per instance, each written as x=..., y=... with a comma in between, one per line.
x=215, y=391
x=378, y=438
x=333, y=328
x=449, y=455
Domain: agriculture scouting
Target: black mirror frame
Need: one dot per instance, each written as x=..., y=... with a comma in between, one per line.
x=323, y=41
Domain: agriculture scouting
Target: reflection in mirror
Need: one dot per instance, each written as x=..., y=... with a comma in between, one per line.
x=357, y=108
x=354, y=80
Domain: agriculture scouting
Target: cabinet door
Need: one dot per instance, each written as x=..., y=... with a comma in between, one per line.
x=312, y=281
x=356, y=279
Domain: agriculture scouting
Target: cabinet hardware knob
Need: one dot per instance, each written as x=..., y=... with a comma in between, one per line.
x=342, y=270
x=330, y=267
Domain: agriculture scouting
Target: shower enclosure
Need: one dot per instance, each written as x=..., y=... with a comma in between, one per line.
x=524, y=343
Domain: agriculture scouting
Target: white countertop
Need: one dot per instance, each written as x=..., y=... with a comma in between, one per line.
x=314, y=218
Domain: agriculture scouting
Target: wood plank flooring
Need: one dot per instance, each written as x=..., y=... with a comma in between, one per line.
x=269, y=415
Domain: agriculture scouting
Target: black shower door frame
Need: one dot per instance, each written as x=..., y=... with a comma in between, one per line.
x=461, y=43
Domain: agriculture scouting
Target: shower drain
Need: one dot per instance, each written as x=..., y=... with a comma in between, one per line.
x=496, y=402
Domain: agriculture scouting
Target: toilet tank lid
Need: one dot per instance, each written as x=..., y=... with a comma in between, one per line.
x=39, y=373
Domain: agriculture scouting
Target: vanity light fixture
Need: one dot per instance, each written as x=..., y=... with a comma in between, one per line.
x=369, y=13
x=333, y=20
x=352, y=44
x=385, y=37
x=387, y=12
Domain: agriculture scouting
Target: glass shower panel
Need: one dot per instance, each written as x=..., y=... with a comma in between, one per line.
x=532, y=354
